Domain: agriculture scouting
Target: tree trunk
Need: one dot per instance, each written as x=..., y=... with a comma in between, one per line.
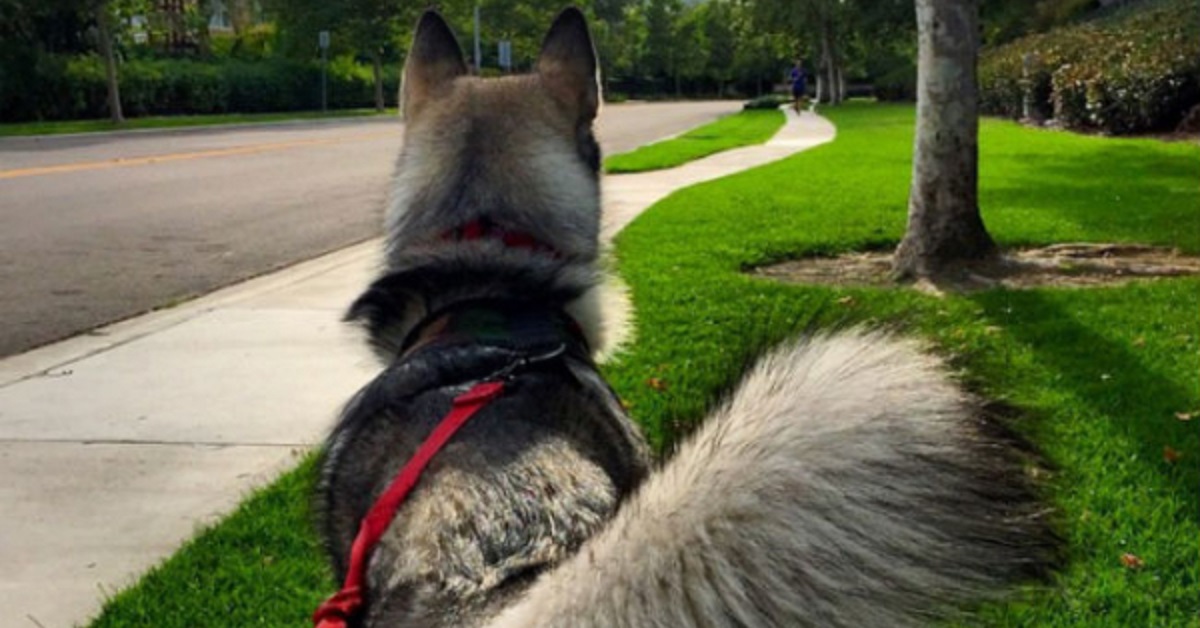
x=204, y=17
x=104, y=27
x=819, y=96
x=841, y=84
x=944, y=225
x=827, y=55
x=239, y=16
x=377, y=70
x=826, y=70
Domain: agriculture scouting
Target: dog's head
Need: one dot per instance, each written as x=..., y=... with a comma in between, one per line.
x=517, y=150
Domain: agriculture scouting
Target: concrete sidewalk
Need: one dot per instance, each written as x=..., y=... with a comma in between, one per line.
x=115, y=445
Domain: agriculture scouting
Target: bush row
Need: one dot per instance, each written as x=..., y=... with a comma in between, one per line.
x=75, y=87
x=1140, y=73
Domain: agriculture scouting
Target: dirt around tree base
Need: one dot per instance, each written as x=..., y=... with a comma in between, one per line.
x=1059, y=265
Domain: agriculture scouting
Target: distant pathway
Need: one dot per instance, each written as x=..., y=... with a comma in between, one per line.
x=627, y=195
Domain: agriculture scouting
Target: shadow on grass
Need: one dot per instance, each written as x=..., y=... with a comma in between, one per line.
x=1106, y=380
x=1125, y=191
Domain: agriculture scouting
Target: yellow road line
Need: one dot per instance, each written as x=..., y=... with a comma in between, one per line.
x=121, y=162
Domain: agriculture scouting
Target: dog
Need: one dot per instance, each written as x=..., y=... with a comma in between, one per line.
x=849, y=481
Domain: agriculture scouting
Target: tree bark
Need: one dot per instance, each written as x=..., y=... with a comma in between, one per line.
x=839, y=81
x=944, y=225
x=828, y=68
x=377, y=70
x=104, y=28
x=239, y=16
x=829, y=64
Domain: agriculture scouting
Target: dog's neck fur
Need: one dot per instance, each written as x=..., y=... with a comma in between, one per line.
x=517, y=152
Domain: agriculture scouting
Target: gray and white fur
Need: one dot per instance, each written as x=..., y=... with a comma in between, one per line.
x=848, y=482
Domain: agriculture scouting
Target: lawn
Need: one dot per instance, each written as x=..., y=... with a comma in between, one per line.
x=1098, y=374
x=59, y=127
x=747, y=128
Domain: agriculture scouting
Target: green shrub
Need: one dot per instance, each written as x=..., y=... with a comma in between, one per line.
x=1139, y=73
x=900, y=83
x=770, y=101
x=66, y=88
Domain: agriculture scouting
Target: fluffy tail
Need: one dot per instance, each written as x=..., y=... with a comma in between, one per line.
x=849, y=482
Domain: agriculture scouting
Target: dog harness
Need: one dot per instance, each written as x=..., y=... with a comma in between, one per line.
x=494, y=323
x=338, y=610
x=485, y=229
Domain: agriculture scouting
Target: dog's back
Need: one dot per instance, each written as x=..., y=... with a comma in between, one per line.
x=492, y=241
x=519, y=489
x=849, y=482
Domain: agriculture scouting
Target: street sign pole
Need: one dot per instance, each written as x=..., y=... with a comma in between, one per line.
x=323, y=42
x=504, y=52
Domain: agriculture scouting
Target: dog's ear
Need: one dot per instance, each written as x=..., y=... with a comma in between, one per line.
x=434, y=61
x=567, y=64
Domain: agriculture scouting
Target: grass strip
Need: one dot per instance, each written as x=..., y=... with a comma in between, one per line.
x=60, y=127
x=1099, y=373
x=741, y=129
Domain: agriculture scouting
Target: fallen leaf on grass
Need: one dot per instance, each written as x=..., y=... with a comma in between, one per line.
x=1132, y=561
x=847, y=300
x=656, y=384
x=1185, y=416
x=1170, y=454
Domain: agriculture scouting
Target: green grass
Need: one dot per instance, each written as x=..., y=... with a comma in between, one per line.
x=167, y=122
x=262, y=566
x=1098, y=373
x=741, y=129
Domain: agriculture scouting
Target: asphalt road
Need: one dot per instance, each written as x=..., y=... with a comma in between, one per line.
x=97, y=228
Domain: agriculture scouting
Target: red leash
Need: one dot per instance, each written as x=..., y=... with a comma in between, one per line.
x=338, y=610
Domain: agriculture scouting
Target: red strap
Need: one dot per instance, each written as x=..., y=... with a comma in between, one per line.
x=338, y=610
x=483, y=228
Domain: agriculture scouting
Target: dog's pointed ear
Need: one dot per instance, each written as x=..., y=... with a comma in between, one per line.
x=434, y=61
x=567, y=64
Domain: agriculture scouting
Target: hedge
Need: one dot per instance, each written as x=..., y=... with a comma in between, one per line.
x=75, y=88
x=1135, y=74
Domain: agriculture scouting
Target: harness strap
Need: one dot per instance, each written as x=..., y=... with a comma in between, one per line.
x=483, y=229
x=344, y=606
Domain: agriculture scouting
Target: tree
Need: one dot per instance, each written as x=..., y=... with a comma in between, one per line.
x=688, y=44
x=366, y=27
x=104, y=35
x=722, y=42
x=372, y=25
x=944, y=225
x=661, y=15
x=240, y=15
x=822, y=22
x=761, y=54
